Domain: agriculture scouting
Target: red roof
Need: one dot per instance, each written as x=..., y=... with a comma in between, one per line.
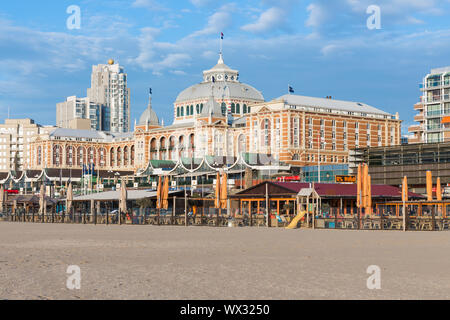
x=345, y=190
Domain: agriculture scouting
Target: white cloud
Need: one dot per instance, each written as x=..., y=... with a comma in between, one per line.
x=151, y=5
x=200, y=3
x=317, y=15
x=342, y=14
x=217, y=22
x=269, y=20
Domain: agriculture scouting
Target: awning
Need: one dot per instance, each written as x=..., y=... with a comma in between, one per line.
x=445, y=120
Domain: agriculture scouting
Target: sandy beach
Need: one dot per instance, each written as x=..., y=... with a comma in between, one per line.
x=145, y=262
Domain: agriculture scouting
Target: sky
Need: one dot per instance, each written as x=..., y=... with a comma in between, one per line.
x=319, y=47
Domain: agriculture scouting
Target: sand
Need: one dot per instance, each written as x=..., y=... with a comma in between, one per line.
x=149, y=262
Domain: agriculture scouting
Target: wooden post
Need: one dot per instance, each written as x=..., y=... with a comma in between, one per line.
x=250, y=213
x=217, y=217
x=97, y=212
x=44, y=211
x=92, y=210
x=433, y=218
x=267, y=206
x=174, y=208
x=203, y=213
x=107, y=214
x=186, y=222
x=404, y=216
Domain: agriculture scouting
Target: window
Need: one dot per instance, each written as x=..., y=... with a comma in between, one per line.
x=197, y=107
x=187, y=110
x=333, y=146
x=356, y=125
x=178, y=112
x=233, y=108
x=182, y=111
x=345, y=124
x=245, y=108
x=238, y=109
x=345, y=135
x=224, y=108
x=192, y=109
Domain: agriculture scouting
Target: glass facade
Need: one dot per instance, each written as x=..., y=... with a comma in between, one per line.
x=328, y=173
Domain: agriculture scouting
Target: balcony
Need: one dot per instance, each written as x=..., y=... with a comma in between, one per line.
x=436, y=113
x=415, y=128
x=445, y=97
x=434, y=127
x=418, y=118
x=435, y=85
x=418, y=106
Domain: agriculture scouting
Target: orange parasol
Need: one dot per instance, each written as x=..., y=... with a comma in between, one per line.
x=405, y=192
x=358, y=186
x=165, y=194
x=224, y=191
x=158, y=194
x=217, y=199
x=438, y=190
x=429, y=186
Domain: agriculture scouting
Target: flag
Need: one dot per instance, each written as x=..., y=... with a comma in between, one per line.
x=221, y=35
x=291, y=90
x=150, y=91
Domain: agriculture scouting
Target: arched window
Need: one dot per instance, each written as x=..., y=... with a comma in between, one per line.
x=70, y=156
x=248, y=110
x=238, y=108
x=245, y=108
x=224, y=108
x=57, y=152
x=125, y=156
x=192, y=110
x=119, y=156
x=178, y=111
x=39, y=156
x=233, y=108
x=187, y=110
x=201, y=107
x=181, y=111
x=112, y=157
x=81, y=156
x=197, y=107
x=91, y=155
x=132, y=155
x=101, y=157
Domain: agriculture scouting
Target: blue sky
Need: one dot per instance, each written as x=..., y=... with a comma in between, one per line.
x=320, y=47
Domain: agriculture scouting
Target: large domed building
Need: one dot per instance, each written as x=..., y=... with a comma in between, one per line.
x=221, y=82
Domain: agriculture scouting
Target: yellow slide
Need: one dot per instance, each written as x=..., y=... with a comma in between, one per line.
x=294, y=223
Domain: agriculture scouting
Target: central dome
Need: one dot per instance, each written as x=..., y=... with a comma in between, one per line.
x=224, y=82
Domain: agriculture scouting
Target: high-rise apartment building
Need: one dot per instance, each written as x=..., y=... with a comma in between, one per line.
x=15, y=138
x=434, y=109
x=107, y=104
x=109, y=88
x=80, y=108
